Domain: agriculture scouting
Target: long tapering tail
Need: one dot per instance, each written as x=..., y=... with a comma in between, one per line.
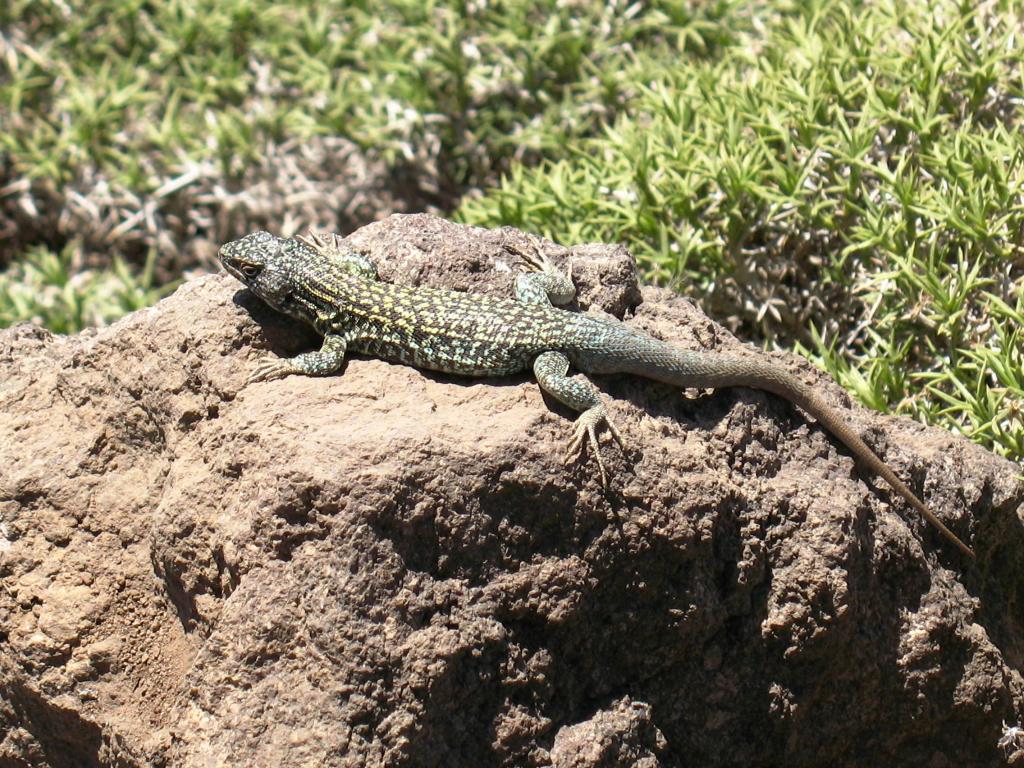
x=684, y=368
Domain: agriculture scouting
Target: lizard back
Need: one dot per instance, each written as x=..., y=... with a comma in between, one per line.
x=449, y=331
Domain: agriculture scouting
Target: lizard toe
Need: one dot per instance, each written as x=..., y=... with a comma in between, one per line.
x=585, y=433
x=269, y=370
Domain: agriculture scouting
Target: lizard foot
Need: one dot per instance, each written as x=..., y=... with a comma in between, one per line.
x=541, y=282
x=326, y=243
x=270, y=369
x=333, y=247
x=535, y=260
x=586, y=430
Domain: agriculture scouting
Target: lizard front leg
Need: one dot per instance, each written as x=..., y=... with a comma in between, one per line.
x=324, y=361
x=330, y=247
x=542, y=283
x=551, y=369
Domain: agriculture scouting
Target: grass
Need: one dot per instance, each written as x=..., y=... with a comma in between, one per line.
x=456, y=89
x=843, y=178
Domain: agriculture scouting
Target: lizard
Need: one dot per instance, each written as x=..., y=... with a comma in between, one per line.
x=338, y=292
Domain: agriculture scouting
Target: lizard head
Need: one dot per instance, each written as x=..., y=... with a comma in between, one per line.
x=268, y=266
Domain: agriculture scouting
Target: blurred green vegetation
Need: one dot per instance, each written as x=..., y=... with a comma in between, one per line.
x=842, y=178
x=46, y=289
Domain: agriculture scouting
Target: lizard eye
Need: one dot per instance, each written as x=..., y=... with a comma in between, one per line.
x=250, y=270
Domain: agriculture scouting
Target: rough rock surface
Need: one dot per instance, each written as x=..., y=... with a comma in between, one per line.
x=393, y=568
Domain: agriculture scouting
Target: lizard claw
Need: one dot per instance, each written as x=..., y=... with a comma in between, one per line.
x=536, y=260
x=270, y=369
x=586, y=430
x=325, y=243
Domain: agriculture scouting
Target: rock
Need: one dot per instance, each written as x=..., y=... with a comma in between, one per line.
x=390, y=567
x=622, y=736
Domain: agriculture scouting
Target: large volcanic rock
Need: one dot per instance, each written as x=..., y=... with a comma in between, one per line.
x=391, y=567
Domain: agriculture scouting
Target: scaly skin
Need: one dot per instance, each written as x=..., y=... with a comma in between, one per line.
x=338, y=293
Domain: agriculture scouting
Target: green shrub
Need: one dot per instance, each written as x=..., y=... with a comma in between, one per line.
x=851, y=186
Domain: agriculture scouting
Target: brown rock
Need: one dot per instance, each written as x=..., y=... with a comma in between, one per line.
x=390, y=567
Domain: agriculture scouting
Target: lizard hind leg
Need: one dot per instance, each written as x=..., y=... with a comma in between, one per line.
x=551, y=369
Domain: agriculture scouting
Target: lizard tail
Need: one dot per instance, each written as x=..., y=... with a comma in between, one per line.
x=685, y=368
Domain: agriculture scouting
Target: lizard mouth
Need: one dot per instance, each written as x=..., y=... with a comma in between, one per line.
x=244, y=272
x=230, y=269
x=228, y=263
